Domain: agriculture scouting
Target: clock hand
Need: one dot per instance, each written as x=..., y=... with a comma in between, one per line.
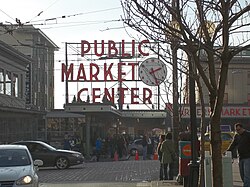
x=154, y=70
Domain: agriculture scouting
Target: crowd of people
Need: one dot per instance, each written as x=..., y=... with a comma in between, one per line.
x=118, y=144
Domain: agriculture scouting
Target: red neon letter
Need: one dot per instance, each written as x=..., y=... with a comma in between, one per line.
x=67, y=72
x=83, y=42
x=134, y=95
x=111, y=46
x=145, y=97
x=133, y=69
x=80, y=92
x=121, y=92
x=81, y=73
x=107, y=72
x=123, y=50
x=95, y=96
x=110, y=97
x=94, y=75
x=120, y=73
x=140, y=45
x=102, y=48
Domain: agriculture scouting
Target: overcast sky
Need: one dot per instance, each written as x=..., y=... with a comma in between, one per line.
x=68, y=21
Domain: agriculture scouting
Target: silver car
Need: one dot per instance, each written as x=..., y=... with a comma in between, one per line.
x=136, y=145
x=17, y=168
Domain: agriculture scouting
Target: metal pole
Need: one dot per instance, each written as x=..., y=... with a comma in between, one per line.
x=194, y=166
x=66, y=82
x=176, y=120
x=175, y=123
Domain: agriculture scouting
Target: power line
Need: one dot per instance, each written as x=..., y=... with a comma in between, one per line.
x=73, y=15
x=7, y=15
x=44, y=10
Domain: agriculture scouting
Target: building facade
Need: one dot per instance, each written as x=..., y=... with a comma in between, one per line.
x=26, y=82
x=16, y=122
x=40, y=80
x=237, y=93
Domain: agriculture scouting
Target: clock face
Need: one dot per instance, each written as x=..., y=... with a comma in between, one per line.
x=152, y=71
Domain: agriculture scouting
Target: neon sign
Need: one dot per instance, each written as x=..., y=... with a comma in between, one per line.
x=113, y=62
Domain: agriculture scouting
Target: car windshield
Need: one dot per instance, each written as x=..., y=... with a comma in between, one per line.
x=48, y=146
x=14, y=157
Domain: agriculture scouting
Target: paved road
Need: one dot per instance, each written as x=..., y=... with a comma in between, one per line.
x=112, y=173
x=120, y=171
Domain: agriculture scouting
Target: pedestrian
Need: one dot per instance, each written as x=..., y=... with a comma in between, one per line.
x=241, y=141
x=161, y=139
x=66, y=142
x=145, y=147
x=98, y=147
x=150, y=148
x=120, y=146
x=168, y=156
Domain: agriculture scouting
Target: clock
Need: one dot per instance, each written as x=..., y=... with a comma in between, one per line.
x=152, y=71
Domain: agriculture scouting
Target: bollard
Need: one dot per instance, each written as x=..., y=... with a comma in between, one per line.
x=155, y=156
x=116, y=158
x=136, y=155
x=208, y=169
x=227, y=169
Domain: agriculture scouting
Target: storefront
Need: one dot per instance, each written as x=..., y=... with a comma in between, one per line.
x=230, y=115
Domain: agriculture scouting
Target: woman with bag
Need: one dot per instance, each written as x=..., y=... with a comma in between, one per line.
x=168, y=156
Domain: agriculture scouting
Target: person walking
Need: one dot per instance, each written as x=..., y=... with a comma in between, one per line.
x=98, y=148
x=241, y=141
x=161, y=139
x=145, y=147
x=168, y=155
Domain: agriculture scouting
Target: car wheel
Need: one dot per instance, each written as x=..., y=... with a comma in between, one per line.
x=62, y=163
x=133, y=152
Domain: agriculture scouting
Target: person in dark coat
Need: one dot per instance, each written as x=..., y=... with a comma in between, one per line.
x=241, y=141
x=168, y=155
x=145, y=147
x=161, y=139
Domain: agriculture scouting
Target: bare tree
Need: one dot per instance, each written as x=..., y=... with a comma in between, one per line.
x=218, y=29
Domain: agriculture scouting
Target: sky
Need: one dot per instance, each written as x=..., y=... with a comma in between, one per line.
x=68, y=21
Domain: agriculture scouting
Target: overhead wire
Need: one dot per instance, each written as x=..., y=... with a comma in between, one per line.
x=73, y=15
x=44, y=10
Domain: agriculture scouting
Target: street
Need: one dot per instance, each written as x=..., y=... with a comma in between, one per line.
x=119, y=171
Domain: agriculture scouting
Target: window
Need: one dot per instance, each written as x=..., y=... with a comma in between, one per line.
x=8, y=83
x=15, y=85
x=2, y=81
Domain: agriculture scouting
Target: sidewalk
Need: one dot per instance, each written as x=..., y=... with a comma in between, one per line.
x=139, y=184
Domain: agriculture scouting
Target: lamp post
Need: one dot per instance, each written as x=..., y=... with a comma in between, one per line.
x=194, y=166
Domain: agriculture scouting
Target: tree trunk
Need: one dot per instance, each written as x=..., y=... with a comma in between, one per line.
x=202, y=141
x=216, y=151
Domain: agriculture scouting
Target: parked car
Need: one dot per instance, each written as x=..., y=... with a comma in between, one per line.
x=17, y=167
x=226, y=137
x=51, y=156
x=136, y=145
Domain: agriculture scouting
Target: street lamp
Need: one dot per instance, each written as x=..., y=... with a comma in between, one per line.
x=194, y=166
